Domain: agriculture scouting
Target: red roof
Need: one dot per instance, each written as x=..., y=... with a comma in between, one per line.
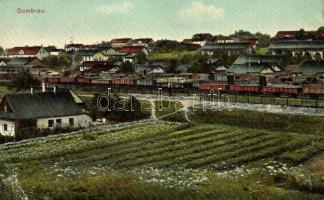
x=100, y=68
x=292, y=34
x=284, y=34
x=25, y=50
x=130, y=49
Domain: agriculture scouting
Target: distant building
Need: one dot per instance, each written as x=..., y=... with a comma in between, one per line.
x=255, y=65
x=131, y=52
x=297, y=47
x=200, y=42
x=46, y=110
x=233, y=48
x=73, y=47
x=21, y=63
x=120, y=42
x=309, y=68
x=293, y=35
x=34, y=51
x=146, y=42
x=4, y=61
x=223, y=39
x=56, y=52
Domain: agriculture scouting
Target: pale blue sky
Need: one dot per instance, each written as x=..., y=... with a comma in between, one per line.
x=91, y=21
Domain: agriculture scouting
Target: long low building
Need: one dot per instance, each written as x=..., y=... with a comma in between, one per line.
x=298, y=46
x=229, y=48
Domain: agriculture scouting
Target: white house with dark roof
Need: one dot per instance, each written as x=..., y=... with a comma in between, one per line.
x=45, y=110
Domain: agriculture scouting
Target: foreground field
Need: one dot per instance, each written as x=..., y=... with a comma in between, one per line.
x=169, y=159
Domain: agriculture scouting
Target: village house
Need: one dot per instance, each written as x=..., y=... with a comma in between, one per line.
x=121, y=42
x=4, y=61
x=73, y=47
x=309, y=68
x=18, y=64
x=56, y=52
x=45, y=110
x=34, y=51
x=223, y=39
x=131, y=52
x=200, y=42
x=86, y=55
x=146, y=42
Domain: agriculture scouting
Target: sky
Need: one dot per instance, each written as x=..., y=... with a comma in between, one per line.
x=92, y=21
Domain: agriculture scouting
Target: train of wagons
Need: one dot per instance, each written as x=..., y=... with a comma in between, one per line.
x=312, y=91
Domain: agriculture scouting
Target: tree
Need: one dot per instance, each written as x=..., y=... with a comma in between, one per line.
x=57, y=61
x=301, y=34
x=126, y=67
x=77, y=58
x=318, y=56
x=203, y=36
x=24, y=80
x=1, y=50
x=241, y=34
x=263, y=40
x=50, y=61
x=172, y=66
x=141, y=58
x=321, y=28
x=63, y=60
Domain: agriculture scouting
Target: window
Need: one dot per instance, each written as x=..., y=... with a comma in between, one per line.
x=71, y=121
x=5, y=127
x=5, y=109
x=50, y=123
x=59, y=122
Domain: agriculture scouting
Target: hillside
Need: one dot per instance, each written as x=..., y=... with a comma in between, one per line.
x=168, y=159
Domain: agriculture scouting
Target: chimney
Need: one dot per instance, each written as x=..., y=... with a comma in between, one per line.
x=43, y=87
x=31, y=90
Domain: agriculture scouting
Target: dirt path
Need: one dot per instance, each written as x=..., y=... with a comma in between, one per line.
x=316, y=165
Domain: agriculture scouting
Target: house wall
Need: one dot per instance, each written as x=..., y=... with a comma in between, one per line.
x=10, y=128
x=80, y=121
x=42, y=53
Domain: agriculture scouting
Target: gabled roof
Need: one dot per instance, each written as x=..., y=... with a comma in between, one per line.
x=253, y=58
x=41, y=105
x=293, y=34
x=131, y=49
x=5, y=60
x=309, y=68
x=248, y=68
x=297, y=45
x=20, y=61
x=25, y=50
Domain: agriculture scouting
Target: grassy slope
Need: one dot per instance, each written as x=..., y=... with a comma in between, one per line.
x=165, y=146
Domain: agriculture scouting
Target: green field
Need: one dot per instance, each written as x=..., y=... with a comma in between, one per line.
x=162, y=161
x=170, y=55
